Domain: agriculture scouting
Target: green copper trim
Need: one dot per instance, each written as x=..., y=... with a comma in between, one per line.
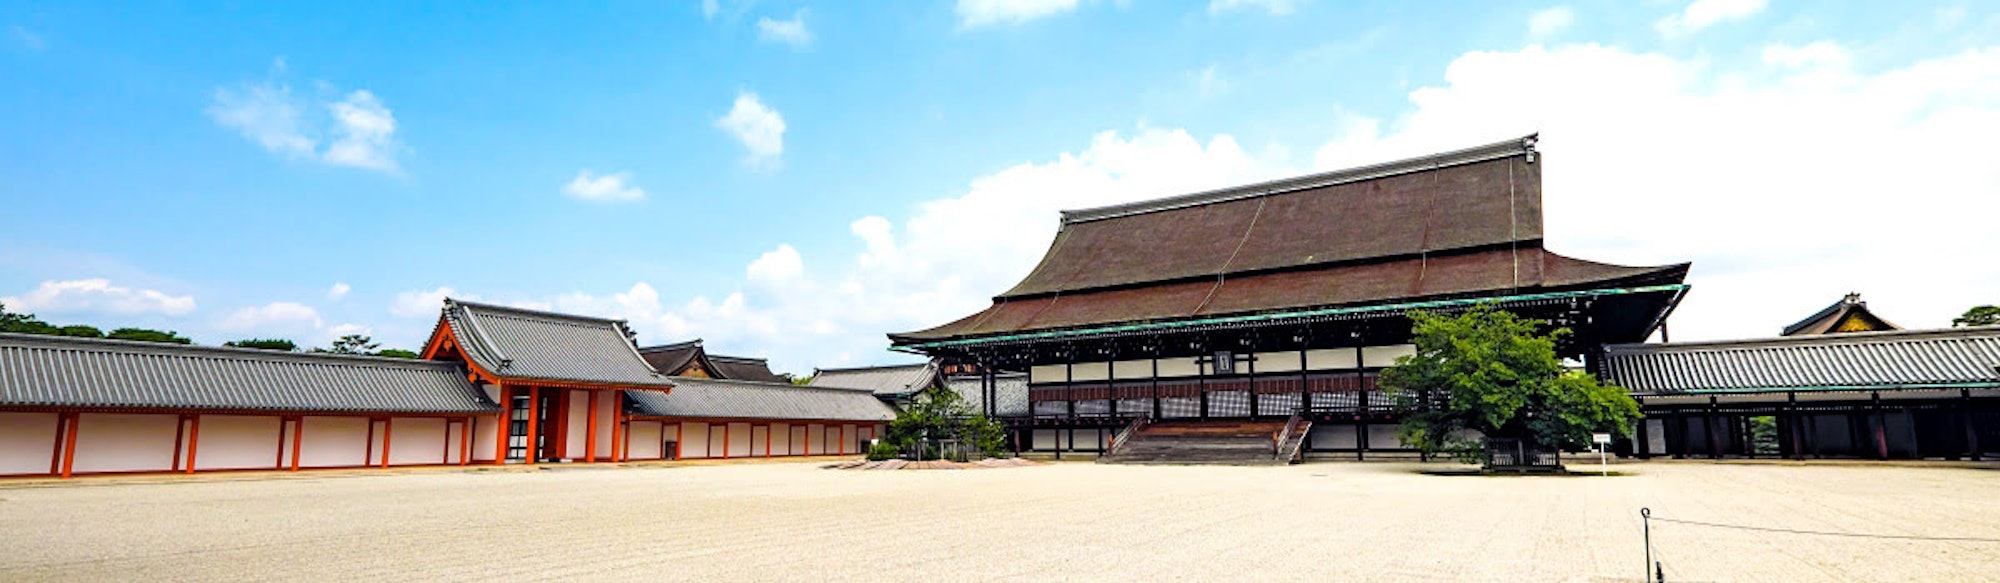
x=1267, y=317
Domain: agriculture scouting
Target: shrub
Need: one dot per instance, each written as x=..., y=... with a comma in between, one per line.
x=883, y=450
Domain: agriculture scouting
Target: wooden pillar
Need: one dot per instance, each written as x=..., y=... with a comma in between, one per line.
x=298, y=436
x=278, y=458
x=1714, y=440
x=1155, y=362
x=1881, y=423
x=621, y=429
x=534, y=449
x=725, y=442
x=1643, y=449
x=56, y=447
x=1201, y=367
x=194, y=440
x=505, y=432
x=1111, y=386
x=1361, y=405
x=465, y=440
x=1305, y=382
x=388, y=430
x=1069, y=388
x=1796, y=431
x=767, y=441
x=180, y=434
x=590, y=429
x=679, y=444
x=69, y=444
x=1969, y=423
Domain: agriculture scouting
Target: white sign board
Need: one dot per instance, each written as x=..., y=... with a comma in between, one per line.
x=1601, y=438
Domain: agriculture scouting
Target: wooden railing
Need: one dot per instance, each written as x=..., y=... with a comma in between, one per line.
x=1125, y=435
x=1278, y=441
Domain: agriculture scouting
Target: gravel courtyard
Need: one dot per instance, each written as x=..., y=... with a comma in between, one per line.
x=793, y=521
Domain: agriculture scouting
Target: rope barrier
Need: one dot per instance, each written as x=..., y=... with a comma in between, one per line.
x=1829, y=533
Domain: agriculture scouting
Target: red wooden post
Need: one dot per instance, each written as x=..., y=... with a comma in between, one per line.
x=506, y=420
x=298, y=436
x=388, y=428
x=368, y=450
x=69, y=445
x=56, y=447
x=534, y=411
x=725, y=442
x=278, y=460
x=465, y=440
x=679, y=445
x=180, y=434
x=767, y=440
x=590, y=430
x=194, y=439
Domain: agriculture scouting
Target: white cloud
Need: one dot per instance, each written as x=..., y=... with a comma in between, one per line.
x=609, y=187
x=792, y=32
x=1701, y=14
x=709, y=8
x=1210, y=83
x=269, y=114
x=339, y=330
x=1786, y=189
x=978, y=13
x=339, y=290
x=776, y=266
x=1815, y=54
x=1547, y=22
x=97, y=295
x=364, y=133
x=760, y=128
x=275, y=316
x=1272, y=7
x=425, y=302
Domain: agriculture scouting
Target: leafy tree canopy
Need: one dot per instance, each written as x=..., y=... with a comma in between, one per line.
x=351, y=344
x=80, y=331
x=148, y=335
x=397, y=353
x=279, y=344
x=24, y=323
x=938, y=413
x=1488, y=372
x=1978, y=316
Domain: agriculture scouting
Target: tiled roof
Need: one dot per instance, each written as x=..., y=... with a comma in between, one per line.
x=1832, y=318
x=673, y=358
x=726, y=399
x=1954, y=356
x=744, y=368
x=896, y=380
x=50, y=371
x=533, y=345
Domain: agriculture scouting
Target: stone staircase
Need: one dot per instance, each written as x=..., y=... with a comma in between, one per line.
x=1241, y=442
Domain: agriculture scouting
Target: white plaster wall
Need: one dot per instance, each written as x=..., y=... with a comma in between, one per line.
x=132, y=443
x=1048, y=373
x=234, y=442
x=740, y=440
x=1373, y=356
x=334, y=441
x=646, y=439
x=485, y=432
x=1333, y=436
x=1277, y=361
x=1132, y=369
x=27, y=440
x=607, y=423
x=761, y=443
x=718, y=440
x=1179, y=367
x=1330, y=359
x=1090, y=371
x=578, y=427
x=418, y=440
x=1044, y=439
x=694, y=438
x=816, y=439
x=781, y=439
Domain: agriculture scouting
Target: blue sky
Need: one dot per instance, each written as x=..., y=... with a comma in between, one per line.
x=795, y=179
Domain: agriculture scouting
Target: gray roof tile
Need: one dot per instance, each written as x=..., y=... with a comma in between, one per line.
x=893, y=380
x=529, y=344
x=52, y=371
x=1858, y=359
x=726, y=399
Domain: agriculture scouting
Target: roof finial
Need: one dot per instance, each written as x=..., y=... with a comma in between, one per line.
x=1528, y=143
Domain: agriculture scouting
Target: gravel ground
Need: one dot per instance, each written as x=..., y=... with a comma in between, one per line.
x=793, y=521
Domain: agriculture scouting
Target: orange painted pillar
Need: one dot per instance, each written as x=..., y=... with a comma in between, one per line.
x=534, y=411
x=465, y=441
x=69, y=445
x=56, y=448
x=590, y=430
x=506, y=420
x=194, y=440
x=388, y=427
x=679, y=444
x=767, y=440
x=298, y=435
x=725, y=442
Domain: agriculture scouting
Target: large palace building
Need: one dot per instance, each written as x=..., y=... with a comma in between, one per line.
x=1261, y=301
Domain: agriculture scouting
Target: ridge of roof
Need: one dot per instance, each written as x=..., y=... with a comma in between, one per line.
x=740, y=359
x=543, y=314
x=140, y=345
x=1524, y=145
x=771, y=384
x=675, y=346
x=876, y=367
x=1844, y=338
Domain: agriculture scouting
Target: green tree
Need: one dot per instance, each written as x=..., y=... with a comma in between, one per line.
x=1488, y=372
x=938, y=413
x=279, y=344
x=23, y=323
x=81, y=331
x=350, y=344
x=148, y=335
x=1978, y=316
x=398, y=353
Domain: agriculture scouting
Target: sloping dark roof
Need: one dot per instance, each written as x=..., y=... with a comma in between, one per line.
x=744, y=368
x=1834, y=319
x=52, y=371
x=727, y=399
x=527, y=344
x=672, y=359
x=887, y=381
x=1453, y=225
x=1859, y=359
